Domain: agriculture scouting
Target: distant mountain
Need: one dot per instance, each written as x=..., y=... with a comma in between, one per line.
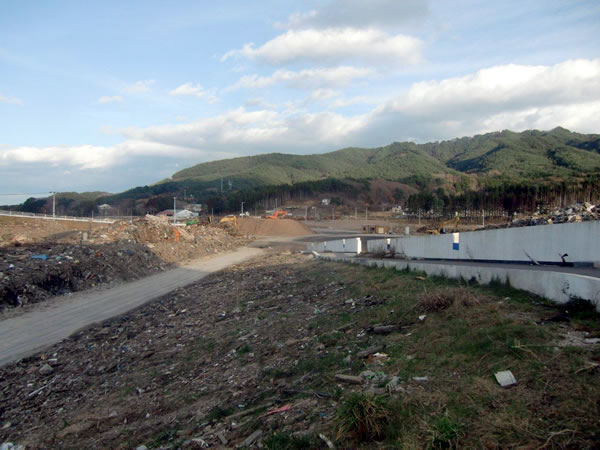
x=514, y=156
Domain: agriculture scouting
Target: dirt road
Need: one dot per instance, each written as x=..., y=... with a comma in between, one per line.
x=24, y=335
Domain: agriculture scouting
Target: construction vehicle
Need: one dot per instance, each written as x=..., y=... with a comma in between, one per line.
x=279, y=214
x=229, y=220
x=445, y=226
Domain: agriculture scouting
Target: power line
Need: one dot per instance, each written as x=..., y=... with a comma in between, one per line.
x=47, y=194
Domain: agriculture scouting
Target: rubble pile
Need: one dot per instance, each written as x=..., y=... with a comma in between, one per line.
x=75, y=260
x=578, y=212
x=34, y=272
x=173, y=244
x=209, y=364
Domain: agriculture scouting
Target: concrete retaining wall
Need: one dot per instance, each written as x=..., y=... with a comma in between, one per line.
x=351, y=245
x=557, y=286
x=544, y=243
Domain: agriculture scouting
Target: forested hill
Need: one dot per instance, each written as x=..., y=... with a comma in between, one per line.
x=515, y=156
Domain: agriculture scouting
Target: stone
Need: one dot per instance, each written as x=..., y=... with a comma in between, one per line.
x=349, y=379
x=46, y=369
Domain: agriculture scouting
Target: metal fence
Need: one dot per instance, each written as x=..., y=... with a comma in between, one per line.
x=55, y=217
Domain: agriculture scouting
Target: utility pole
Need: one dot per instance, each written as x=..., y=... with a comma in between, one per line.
x=483, y=218
x=243, y=208
x=306, y=213
x=174, y=209
x=367, y=214
x=53, y=205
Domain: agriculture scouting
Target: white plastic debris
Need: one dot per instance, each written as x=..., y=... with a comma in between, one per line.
x=505, y=378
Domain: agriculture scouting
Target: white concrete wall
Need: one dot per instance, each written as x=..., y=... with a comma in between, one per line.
x=351, y=245
x=544, y=243
x=557, y=286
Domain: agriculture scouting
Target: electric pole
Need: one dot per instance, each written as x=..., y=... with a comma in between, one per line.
x=53, y=205
x=243, y=208
x=174, y=209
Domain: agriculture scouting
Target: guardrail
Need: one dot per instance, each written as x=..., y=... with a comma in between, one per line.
x=51, y=217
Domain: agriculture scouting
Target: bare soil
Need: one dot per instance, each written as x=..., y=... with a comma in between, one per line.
x=272, y=227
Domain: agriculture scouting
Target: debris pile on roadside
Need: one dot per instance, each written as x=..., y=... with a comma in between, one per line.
x=34, y=272
x=173, y=244
x=123, y=251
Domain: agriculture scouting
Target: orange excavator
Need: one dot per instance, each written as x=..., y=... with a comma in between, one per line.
x=279, y=214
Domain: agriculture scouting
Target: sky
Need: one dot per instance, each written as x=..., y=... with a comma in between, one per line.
x=105, y=96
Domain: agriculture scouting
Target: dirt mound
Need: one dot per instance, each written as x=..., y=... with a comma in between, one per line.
x=273, y=227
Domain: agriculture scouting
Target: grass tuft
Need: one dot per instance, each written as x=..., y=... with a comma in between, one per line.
x=364, y=417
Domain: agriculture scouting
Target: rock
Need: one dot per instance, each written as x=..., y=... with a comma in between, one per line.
x=46, y=369
x=222, y=438
x=252, y=438
x=349, y=379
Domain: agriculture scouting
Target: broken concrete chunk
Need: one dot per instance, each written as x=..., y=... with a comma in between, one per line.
x=222, y=438
x=349, y=379
x=505, y=378
x=252, y=438
x=46, y=369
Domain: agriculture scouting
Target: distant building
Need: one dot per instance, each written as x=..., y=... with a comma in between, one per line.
x=325, y=201
x=194, y=207
x=397, y=209
x=185, y=214
x=181, y=213
x=105, y=209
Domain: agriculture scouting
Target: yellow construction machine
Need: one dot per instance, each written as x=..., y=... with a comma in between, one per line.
x=229, y=220
x=445, y=226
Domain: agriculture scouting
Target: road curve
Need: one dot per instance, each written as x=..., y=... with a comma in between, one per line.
x=33, y=331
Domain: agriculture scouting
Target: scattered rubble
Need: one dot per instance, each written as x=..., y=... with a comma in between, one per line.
x=578, y=212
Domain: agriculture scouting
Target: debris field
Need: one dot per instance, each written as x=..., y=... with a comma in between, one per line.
x=274, y=353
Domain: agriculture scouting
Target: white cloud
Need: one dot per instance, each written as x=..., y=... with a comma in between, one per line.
x=333, y=45
x=110, y=99
x=259, y=103
x=11, y=100
x=361, y=13
x=357, y=100
x=503, y=88
x=323, y=94
x=195, y=91
x=254, y=130
x=510, y=96
x=139, y=87
x=336, y=76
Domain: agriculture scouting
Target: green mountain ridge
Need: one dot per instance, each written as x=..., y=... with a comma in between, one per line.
x=555, y=153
